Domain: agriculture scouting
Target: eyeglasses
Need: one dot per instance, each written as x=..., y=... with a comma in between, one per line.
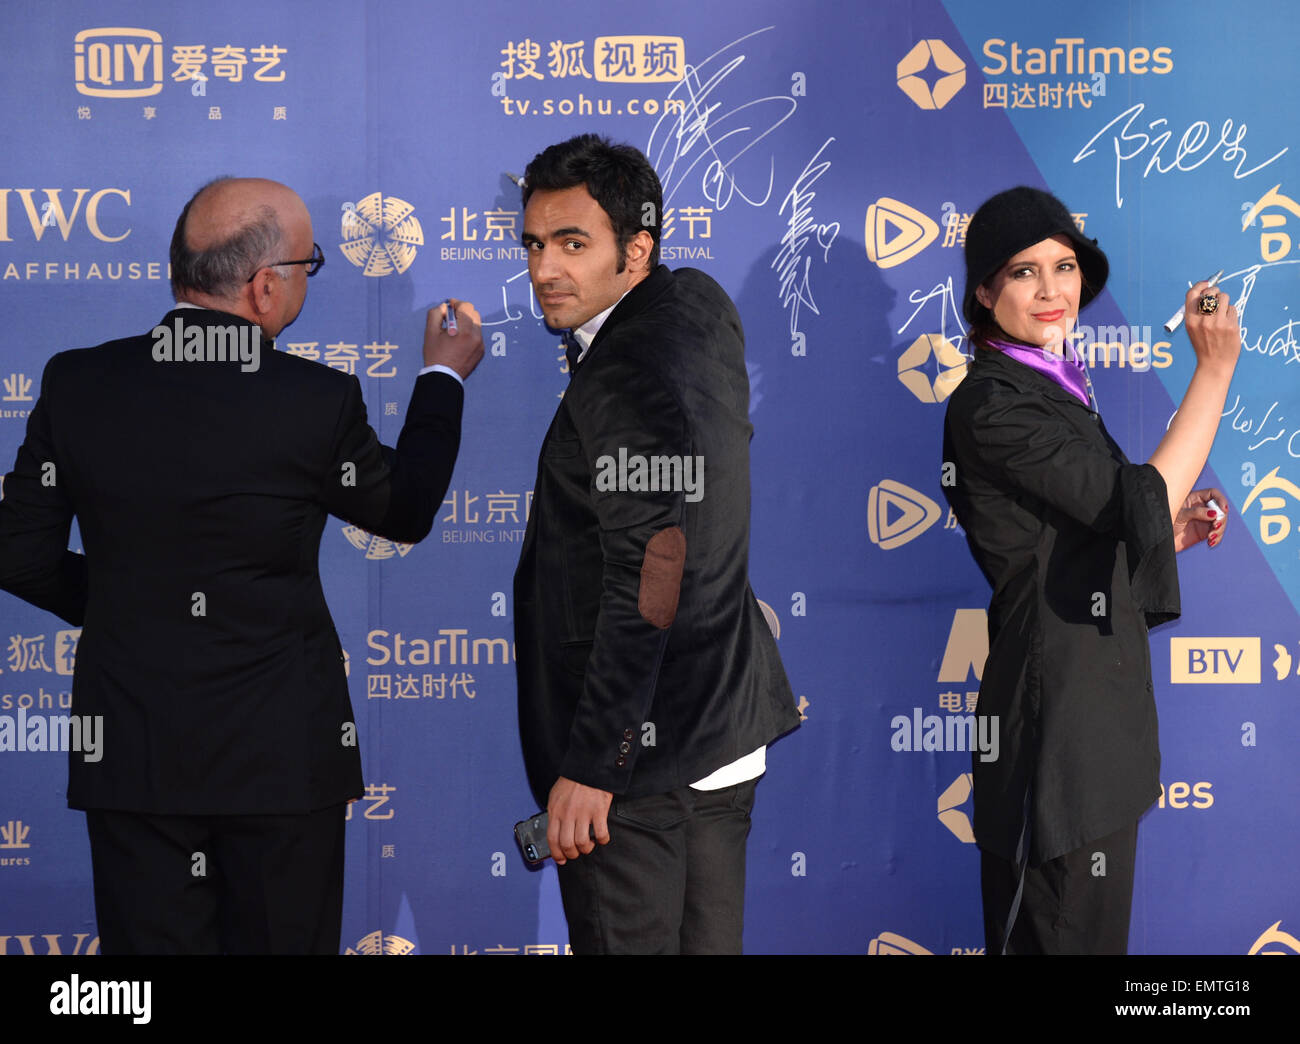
x=313, y=263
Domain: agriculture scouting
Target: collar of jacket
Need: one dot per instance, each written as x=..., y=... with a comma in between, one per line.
x=1023, y=378
x=639, y=298
x=213, y=317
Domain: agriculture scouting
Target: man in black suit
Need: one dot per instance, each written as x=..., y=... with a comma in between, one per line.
x=200, y=465
x=648, y=678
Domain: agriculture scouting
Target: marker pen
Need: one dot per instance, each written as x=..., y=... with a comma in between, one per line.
x=1177, y=318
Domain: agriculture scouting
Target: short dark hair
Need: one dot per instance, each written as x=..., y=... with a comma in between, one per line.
x=223, y=268
x=618, y=177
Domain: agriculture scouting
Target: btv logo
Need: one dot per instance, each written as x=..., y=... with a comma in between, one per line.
x=897, y=514
x=947, y=81
x=1214, y=661
x=1282, y=663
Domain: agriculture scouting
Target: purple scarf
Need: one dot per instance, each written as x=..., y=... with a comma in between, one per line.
x=1069, y=374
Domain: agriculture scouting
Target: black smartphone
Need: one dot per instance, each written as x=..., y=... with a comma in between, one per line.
x=531, y=835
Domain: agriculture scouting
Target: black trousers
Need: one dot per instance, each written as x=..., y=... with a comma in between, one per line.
x=1077, y=903
x=671, y=879
x=217, y=884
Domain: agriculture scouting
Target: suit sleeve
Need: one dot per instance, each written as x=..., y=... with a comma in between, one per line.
x=35, y=522
x=624, y=407
x=1020, y=441
x=395, y=493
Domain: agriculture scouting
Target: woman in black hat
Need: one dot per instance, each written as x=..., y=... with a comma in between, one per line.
x=1079, y=546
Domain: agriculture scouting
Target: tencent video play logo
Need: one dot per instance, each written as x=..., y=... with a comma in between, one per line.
x=896, y=232
x=931, y=88
x=897, y=514
x=381, y=234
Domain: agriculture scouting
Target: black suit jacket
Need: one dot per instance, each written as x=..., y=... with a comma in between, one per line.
x=201, y=491
x=631, y=680
x=1077, y=545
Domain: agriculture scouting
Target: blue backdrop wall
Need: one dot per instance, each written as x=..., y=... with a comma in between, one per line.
x=821, y=163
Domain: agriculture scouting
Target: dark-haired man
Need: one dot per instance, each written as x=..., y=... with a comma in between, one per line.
x=208, y=661
x=649, y=683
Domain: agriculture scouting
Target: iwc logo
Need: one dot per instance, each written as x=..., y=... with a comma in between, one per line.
x=381, y=234
x=377, y=944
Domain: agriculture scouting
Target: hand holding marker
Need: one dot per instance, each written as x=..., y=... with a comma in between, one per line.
x=1176, y=319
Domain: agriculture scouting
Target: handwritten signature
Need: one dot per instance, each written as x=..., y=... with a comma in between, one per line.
x=1282, y=340
x=1250, y=428
x=674, y=152
x=792, y=268
x=1193, y=141
x=947, y=303
x=514, y=317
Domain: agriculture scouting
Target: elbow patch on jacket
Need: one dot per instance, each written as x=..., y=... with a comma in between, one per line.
x=661, y=577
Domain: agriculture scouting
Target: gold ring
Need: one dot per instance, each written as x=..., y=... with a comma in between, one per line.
x=1209, y=304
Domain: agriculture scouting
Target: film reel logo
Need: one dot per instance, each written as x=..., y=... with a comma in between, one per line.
x=381, y=234
x=377, y=944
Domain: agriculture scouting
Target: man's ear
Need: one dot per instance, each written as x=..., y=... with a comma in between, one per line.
x=261, y=292
x=639, y=248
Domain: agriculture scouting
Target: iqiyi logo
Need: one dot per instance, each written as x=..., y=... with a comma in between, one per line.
x=940, y=85
x=118, y=63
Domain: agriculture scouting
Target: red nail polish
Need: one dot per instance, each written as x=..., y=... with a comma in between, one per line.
x=1212, y=513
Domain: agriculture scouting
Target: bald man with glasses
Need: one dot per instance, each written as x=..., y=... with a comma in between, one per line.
x=208, y=672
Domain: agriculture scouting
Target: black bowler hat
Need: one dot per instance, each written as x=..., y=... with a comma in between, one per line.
x=1013, y=220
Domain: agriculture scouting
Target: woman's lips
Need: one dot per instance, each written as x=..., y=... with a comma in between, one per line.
x=1049, y=317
